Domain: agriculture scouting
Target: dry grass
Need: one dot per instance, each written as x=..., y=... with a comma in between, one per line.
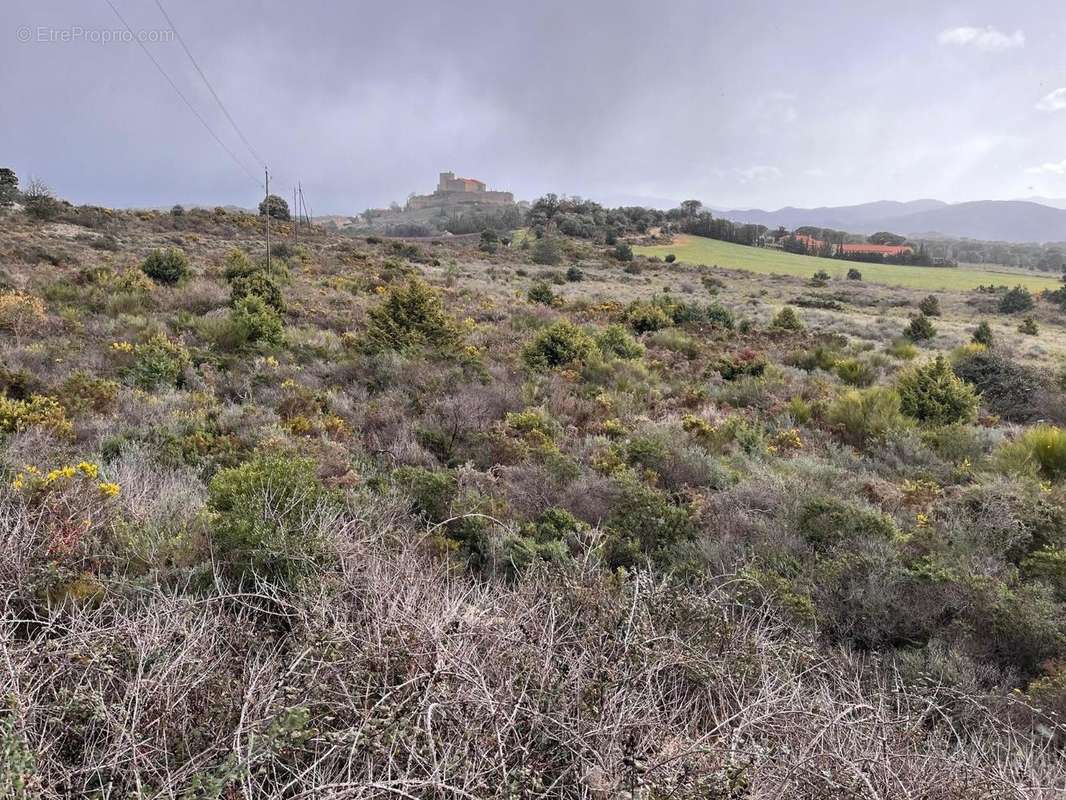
x=399, y=678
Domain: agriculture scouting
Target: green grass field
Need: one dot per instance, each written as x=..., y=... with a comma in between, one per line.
x=711, y=252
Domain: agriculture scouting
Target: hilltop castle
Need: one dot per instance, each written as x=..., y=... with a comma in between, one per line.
x=452, y=192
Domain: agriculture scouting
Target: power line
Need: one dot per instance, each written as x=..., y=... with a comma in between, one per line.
x=174, y=86
x=210, y=88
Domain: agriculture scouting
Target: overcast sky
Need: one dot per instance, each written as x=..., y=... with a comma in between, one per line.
x=736, y=103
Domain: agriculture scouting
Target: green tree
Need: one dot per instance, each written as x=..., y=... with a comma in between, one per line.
x=547, y=250
x=982, y=334
x=490, y=241
x=39, y=201
x=691, y=208
x=920, y=329
x=275, y=206
x=930, y=306
x=9, y=186
x=884, y=237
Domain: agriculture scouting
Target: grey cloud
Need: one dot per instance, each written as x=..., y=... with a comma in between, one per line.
x=749, y=104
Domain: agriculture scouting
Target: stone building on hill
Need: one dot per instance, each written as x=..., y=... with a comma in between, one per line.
x=453, y=192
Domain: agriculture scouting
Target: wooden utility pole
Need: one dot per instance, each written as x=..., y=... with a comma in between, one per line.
x=266, y=172
x=295, y=219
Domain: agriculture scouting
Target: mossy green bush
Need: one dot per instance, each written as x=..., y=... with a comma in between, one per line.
x=932, y=393
x=862, y=415
x=412, y=317
x=787, y=320
x=169, y=266
x=645, y=523
x=263, y=520
x=547, y=250
x=646, y=317
x=825, y=522
x=158, y=361
x=255, y=321
x=854, y=372
x=258, y=284
x=559, y=344
x=81, y=392
x=541, y=293
x=615, y=341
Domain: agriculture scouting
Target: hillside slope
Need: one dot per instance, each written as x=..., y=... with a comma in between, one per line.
x=385, y=518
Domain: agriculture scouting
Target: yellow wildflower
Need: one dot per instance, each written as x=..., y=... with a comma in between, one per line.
x=110, y=489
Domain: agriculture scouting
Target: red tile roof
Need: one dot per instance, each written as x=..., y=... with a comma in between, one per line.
x=883, y=249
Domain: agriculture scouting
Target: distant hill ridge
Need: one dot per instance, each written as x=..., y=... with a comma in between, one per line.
x=990, y=220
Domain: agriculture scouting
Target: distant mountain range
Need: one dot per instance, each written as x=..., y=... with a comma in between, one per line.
x=991, y=220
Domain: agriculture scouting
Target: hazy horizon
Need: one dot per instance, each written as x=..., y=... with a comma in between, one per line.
x=623, y=103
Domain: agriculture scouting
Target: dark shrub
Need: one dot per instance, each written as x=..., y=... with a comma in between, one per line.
x=854, y=275
x=489, y=242
x=930, y=306
x=166, y=266
x=645, y=523
x=787, y=320
x=920, y=329
x=1016, y=300
x=574, y=274
x=825, y=522
x=982, y=334
x=541, y=293
x=1015, y=392
x=623, y=252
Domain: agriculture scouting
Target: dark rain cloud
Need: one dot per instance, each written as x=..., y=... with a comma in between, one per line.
x=758, y=103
